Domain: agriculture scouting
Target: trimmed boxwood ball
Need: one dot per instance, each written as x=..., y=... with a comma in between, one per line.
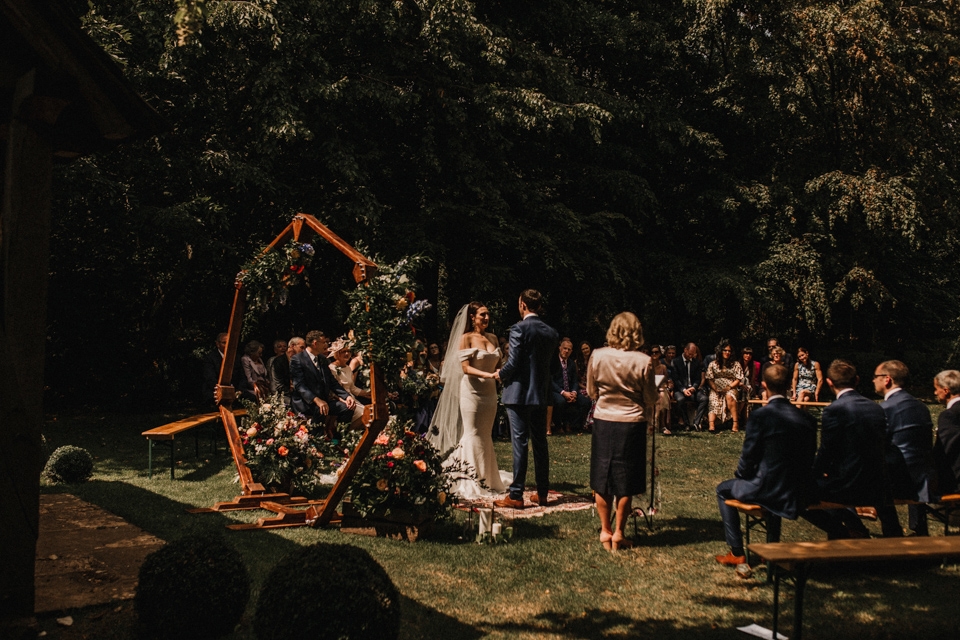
x=69, y=465
x=194, y=587
x=328, y=591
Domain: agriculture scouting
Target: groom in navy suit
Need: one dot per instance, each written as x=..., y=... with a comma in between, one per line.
x=526, y=394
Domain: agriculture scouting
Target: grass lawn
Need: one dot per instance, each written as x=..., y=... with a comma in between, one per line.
x=553, y=580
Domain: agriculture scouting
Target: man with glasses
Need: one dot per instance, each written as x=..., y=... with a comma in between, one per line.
x=909, y=452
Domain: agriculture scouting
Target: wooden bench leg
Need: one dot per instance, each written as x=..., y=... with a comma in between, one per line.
x=149, y=459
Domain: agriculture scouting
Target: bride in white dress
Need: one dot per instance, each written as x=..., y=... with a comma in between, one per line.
x=463, y=422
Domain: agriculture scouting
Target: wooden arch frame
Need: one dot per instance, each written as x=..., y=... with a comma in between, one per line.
x=375, y=415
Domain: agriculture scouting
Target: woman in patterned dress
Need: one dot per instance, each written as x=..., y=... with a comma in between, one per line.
x=724, y=376
x=807, y=378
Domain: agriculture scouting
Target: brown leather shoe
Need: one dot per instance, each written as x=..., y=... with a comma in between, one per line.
x=509, y=503
x=731, y=560
x=535, y=499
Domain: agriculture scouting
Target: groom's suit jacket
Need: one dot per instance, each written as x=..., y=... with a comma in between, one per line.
x=526, y=375
x=311, y=381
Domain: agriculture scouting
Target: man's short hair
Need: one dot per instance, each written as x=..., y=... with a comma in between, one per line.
x=220, y=336
x=948, y=379
x=842, y=374
x=777, y=379
x=313, y=336
x=294, y=341
x=897, y=371
x=562, y=340
x=279, y=343
x=532, y=299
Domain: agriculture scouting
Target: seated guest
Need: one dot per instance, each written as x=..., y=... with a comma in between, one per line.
x=316, y=393
x=807, y=378
x=661, y=417
x=909, y=455
x=849, y=468
x=279, y=369
x=724, y=378
x=786, y=359
x=775, y=465
x=621, y=379
x=583, y=359
x=946, y=450
x=687, y=373
x=279, y=350
x=212, y=362
x=777, y=356
x=434, y=359
x=751, y=372
x=255, y=380
x=569, y=407
x=344, y=366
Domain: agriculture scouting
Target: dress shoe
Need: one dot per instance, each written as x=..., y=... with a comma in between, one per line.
x=509, y=503
x=731, y=560
x=535, y=499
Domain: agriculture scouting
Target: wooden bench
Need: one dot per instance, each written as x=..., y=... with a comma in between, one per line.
x=755, y=515
x=793, y=402
x=167, y=433
x=798, y=558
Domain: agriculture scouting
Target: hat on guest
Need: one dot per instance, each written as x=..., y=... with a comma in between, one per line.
x=338, y=345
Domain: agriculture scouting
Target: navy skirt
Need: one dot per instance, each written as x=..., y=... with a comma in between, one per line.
x=618, y=458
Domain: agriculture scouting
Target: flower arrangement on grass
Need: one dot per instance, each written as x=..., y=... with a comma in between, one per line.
x=402, y=472
x=384, y=314
x=283, y=448
x=267, y=277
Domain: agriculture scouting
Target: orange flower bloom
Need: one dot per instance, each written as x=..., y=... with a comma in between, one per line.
x=282, y=450
x=420, y=464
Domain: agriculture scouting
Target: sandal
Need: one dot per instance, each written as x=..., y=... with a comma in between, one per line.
x=735, y=428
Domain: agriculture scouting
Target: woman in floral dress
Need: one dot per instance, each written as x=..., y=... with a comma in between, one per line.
x=724, y=376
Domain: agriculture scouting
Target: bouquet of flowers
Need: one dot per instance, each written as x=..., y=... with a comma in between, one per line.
x=402, y=471
x=283, y=448
x=267, y=277
x=417, y=386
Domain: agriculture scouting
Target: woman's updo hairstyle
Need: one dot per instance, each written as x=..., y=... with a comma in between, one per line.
x=625, y=332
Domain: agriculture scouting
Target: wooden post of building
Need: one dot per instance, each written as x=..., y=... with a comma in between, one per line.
x=24, y=258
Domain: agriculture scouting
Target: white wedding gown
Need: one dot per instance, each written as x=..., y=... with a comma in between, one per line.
x=478, y=409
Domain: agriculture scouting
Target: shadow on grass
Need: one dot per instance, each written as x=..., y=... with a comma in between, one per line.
x=677, y=532
x=596, y=623
x=421, y=621
x=859, y=600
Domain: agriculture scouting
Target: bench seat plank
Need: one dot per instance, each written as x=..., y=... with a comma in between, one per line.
x=789, y=553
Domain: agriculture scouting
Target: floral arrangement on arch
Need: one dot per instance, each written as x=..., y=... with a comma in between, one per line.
x=384, y=314
x=402, y=472
x=268, y=277
x=285, y=449
x=417, y=386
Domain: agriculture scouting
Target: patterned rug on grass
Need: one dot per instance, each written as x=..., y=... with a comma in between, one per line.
x=556, y=502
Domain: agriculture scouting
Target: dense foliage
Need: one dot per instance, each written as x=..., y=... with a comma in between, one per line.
x=69, y=465
x=194, y=587
x=326, y=591
x=719, y=168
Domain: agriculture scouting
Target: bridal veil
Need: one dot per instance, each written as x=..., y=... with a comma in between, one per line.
x=446, y=427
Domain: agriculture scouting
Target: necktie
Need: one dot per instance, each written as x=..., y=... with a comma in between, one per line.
x=689, y=381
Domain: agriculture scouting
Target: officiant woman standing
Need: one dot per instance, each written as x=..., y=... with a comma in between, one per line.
x=621, y=380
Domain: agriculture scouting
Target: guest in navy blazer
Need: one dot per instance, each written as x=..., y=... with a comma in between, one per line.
x=909, y=455
x=946, y=450
x=849, y=468
x=775, y=465
x=316, y=392
x=526, y=394
x=687, y=372
x=570, y=408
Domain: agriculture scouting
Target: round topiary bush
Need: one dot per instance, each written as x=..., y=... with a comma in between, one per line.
x=194, y=587
x=328, y=591
x=69, y=465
